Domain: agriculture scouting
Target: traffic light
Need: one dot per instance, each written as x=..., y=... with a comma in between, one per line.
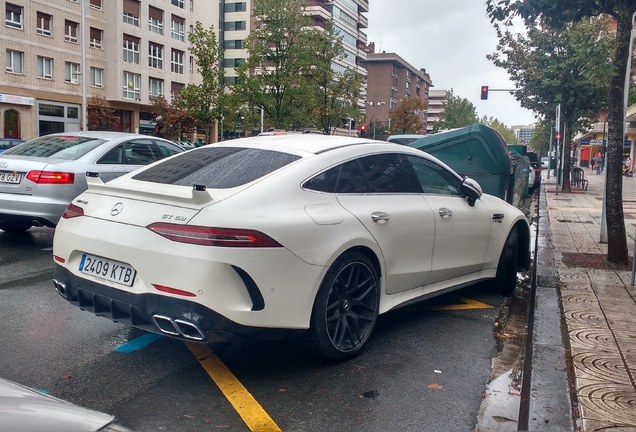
x=558, y=136
x=484, y=92
x=363, y=130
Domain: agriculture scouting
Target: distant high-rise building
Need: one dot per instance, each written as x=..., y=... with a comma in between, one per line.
x=435, y=100
x=524, y=133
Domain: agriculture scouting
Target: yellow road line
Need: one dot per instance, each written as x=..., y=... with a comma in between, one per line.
x=254, y=416
x=466, y=303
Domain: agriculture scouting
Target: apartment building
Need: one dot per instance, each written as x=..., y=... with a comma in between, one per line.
x=347, y=15
x=436, y=99
x=392, y=79
x=134, y=49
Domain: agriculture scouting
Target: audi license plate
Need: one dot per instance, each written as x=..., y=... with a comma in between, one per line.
x=10, y=177
x=107, y=269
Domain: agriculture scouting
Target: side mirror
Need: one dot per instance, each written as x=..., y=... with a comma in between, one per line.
x=472, y=190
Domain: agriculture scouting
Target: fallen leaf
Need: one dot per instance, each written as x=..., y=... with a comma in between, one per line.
x=514, y=392
x=435, y=386
x=282, y=390
x=67, y=376
x=188, y=416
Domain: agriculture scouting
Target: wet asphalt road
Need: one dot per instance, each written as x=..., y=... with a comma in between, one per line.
x=423, y=369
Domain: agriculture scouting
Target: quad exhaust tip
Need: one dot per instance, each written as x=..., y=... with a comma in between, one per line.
x=60, y=287
x=178, y=327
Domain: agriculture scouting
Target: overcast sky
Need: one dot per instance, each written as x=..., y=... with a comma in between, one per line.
x=450, y=39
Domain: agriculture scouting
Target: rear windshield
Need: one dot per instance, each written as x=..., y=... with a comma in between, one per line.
x=216, y=167
x=58, y=147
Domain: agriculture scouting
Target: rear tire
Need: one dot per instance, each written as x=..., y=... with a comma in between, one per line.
x=506, y=279
x=345, y=310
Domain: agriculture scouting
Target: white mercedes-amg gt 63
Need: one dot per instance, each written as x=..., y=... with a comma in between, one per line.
x=300, y=235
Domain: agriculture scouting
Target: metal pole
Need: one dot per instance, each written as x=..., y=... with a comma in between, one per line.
x=634, y=262
x=84, y=33
x=374, y=107
x=262, y=118
x=550, y=150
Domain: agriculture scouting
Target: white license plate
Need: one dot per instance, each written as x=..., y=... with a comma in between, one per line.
x=9, y=177
x=107, y=269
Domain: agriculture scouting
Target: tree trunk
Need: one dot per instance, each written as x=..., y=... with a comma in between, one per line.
x=616, y=240
x=565, y=187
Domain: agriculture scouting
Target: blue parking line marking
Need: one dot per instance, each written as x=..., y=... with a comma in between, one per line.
x=138, y=343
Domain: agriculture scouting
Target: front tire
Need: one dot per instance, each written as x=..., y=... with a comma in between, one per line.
x=506, y=279
x=346, y=308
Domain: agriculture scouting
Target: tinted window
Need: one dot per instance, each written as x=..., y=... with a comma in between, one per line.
x=112, y=157
x=61, y=147
x=217, y=167
x=390, y=173
x=141, y=152
x=383, y=173
x=434, y=178
x=167, y=149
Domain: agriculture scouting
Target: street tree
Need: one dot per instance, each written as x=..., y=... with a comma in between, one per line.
x=558, y=14
x=204, y=101
x=406, y=118
x=281, y=50
x=541, y=136
x=566, y=67
x=173, y=121
x=99, y=115
x=507, y=133
x=456, y=112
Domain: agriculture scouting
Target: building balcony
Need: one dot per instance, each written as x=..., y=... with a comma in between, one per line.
x=363, y=22
x=362, y=38
x=318, y=12
x=363, y=5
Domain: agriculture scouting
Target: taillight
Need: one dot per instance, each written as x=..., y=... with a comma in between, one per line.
x=173, y=291
x=73, y=211
x=210, y=236
x=51, y=177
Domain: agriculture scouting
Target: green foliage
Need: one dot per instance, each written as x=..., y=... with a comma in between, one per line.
x=457, y=112
x=204, y=101
x=540, y=140
x=406, y=118
x=173, y=121
x=507, y=133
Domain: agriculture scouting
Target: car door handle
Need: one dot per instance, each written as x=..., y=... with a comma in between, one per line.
x=445, y=213
x=379, y=217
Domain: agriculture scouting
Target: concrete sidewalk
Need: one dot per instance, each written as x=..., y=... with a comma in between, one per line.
x=598, y=315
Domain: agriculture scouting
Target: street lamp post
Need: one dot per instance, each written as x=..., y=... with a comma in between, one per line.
x=375, y=105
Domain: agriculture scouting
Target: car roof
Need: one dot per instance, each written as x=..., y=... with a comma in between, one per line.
x=107, y=135
x=295, y=143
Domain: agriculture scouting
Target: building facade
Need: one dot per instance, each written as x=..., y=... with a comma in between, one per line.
x=436, y=99
x=134, y=49
x=391, y=79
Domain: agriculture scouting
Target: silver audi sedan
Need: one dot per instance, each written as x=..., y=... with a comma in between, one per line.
x=40, y=177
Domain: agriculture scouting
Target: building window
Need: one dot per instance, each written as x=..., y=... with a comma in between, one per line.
x=155, y=55
x=234, y=25
x=232, y=63
x=131, y=12
x=70, y=32
x=131, y=85
x=45, y=67
x=177, y=61
x=131, y=49
x=15, y=61
x=235, y=7
x=43, y=24
x=191, y=64
x=155, y=20
x=191, y=5
x=155, y=87
x=71, y=72
x=97, y=76
x=96, y=38
x=177, y=30
x=13, y=16
x=233, y=44
x=178, y=3
x=96, y=4
x=175, y=88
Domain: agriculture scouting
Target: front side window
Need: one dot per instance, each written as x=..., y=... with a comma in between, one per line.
x=167, y=149
x=70, y=31
x=71, y=72
x=43, y=24
x=177, y=31
x=155, y=56
x=217, y=167
x=177, y=62
x=434, y=178
x=15, y=61
x=96, y=76
x=155, y=87
x=45, y=67
x=131, y=49
x=96, y=38
x=13, y=16
x=131, y=85
x=140, y=152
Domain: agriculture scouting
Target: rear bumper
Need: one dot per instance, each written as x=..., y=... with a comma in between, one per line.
x=178, y=318
x=18, y=209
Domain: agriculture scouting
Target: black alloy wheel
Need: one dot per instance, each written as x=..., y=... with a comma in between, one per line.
x=506, y=279
x=346, y=308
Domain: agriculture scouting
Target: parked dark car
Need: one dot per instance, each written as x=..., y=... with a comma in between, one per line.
x=7, y=143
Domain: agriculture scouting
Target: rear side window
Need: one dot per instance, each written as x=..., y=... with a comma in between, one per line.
x=59, y=147
x=217, y=167
x=381, y=173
